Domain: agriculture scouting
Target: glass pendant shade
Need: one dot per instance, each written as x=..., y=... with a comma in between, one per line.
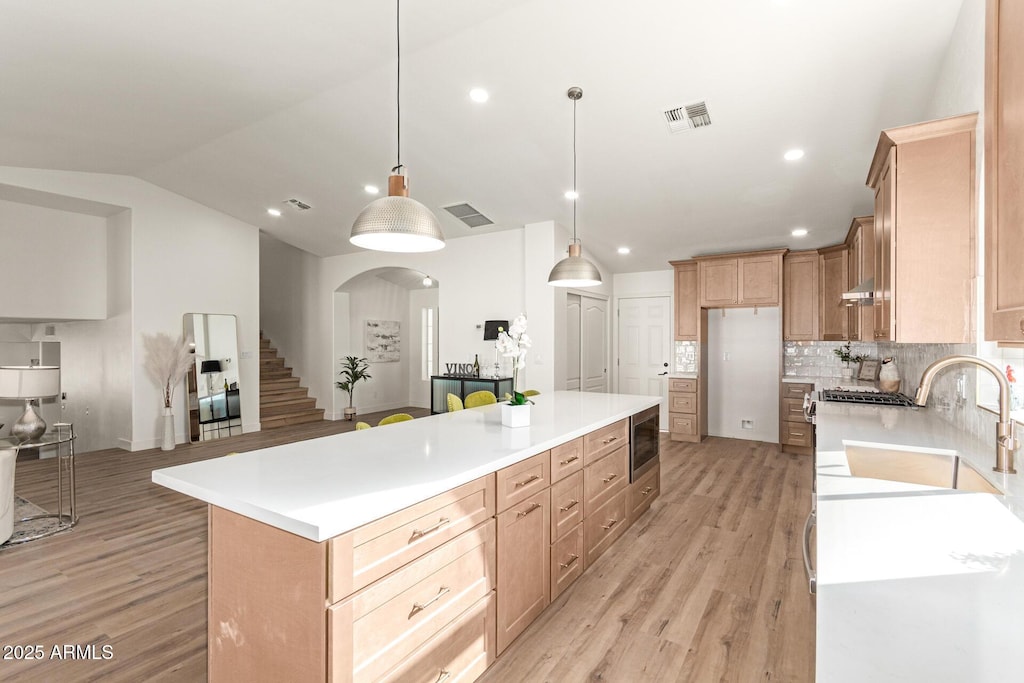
x=574, y=270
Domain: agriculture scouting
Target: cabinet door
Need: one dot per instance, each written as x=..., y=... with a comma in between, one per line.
x=759, y=280
x=524, y=589
x=885, y=213
x=800, y=297
x=834, y=278
x=1004, y=158
x=718, y=282
x=687, y=303
x=853, y=256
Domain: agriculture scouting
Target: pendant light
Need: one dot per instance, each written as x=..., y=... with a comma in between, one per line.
x=574, y=270
x=397, y=222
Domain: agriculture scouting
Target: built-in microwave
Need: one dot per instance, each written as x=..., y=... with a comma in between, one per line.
x=643, y=442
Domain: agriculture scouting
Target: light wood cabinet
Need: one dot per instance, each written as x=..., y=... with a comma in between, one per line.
x=800, y=296
x=687, y=405
x=604, y=526
x=796, y=435
x=567, y=498
x=566, y=459
x=747, y=279
x=567, y=560
x=925, y=216
x=642, y=493
x=603, y=441
x=834, y=279
x=1004, y=182
x=687, y=298
x=860, y=240
x=524, y=587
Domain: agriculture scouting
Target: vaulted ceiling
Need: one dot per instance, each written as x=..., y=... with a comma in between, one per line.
x=243, y=105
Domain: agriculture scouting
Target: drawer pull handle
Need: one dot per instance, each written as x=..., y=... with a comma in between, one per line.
x=611, y=523
x=526, y=481
x=523, y=513
x=796, y=433
x=609, y=478
x=418, y=533
x=573, y=503
x=609, y=440
x=443, y=676
x=647, y=490
x=571, y=562
x=420, y=606
x=569, y=460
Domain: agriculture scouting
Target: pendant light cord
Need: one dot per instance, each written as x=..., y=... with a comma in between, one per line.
x=574, y=192
x=398, y=80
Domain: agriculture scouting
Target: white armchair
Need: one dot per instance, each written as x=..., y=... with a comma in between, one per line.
x=8, y=457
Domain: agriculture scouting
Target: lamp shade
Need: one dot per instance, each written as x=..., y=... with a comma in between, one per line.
x=574, y=271
x=491, y=328
x=209, y=366
x=22, y=381
x=397, y=223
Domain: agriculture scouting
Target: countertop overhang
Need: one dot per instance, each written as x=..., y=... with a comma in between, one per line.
x=327, y=486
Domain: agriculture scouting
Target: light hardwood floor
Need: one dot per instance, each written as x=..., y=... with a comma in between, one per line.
x=708, y=586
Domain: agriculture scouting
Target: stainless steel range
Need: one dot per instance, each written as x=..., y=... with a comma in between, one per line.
x=878, y=398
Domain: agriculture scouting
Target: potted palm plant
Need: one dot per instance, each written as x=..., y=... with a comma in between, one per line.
x=353, y=370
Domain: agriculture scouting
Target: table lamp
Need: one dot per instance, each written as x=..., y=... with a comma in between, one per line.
x=29, y=383
x=209, y=367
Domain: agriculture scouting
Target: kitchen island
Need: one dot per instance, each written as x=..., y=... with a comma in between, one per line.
x=419, y=549
x=914, y=582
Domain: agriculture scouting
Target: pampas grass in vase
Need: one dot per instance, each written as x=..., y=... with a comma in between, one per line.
x=167, y=361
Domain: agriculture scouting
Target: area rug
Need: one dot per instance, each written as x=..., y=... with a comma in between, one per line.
x=30, y=530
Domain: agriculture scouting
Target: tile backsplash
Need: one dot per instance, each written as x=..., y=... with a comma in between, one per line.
x=818, y=359
x=686, y=356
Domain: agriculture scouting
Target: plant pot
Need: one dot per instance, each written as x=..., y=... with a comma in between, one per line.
x=167, y=442
x=847, y=373
x=350, y=413
x=515, y=416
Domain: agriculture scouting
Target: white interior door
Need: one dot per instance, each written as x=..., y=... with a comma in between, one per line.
x=572, y=342
x=645, y=348
x=594, y=344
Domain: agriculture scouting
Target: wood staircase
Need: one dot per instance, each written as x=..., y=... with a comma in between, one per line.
x=282, y=400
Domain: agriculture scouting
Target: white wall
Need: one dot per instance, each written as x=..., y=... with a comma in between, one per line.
x=54, y=263
x=167, y=280
x=631, y=285
x=745, y=387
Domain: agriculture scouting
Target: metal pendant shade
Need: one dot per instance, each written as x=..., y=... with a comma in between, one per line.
x=574, y=270
x=397, y=223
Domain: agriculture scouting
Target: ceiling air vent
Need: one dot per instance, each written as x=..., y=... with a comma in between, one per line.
x=301, y=206
x=687, y=117
x=468, y=215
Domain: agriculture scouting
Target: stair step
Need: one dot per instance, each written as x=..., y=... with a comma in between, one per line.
x=301, y=417
x=264, y=343
x=287, y=407
x=282, y=394
x=271, y=363
x=274, y=373
x=268, y=354
x=282, y=383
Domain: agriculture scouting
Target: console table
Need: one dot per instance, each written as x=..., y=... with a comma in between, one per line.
x=63, y=438
x=442, y=385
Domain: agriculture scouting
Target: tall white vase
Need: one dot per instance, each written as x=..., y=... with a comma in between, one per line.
x=168, y=437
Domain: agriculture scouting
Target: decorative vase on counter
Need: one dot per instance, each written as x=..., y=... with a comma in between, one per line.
x=889, y=376
x=167, y=444
x=515, y=416
x=847, y=371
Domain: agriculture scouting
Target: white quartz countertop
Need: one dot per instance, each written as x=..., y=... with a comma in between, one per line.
x=915, y=583
x=324, y=487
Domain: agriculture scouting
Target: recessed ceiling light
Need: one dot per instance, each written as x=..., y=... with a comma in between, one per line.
x=478, y=95
x=799, y=232
x=572, y=194
x=274, y=212
x=793, y=155
x=623, y=250
x=371, y=189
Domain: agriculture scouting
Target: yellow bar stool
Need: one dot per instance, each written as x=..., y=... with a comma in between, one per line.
x=454, y=403
x=480, y=398
x=362, y=425
x=397, y=417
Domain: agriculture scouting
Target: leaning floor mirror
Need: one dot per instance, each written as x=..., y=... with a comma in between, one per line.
x=214, y=409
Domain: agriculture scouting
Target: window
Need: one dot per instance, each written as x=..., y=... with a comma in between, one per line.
x=427, y=343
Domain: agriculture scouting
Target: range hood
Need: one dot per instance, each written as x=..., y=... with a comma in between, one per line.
x=863, y=294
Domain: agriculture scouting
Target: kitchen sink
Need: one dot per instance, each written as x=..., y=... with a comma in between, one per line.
x=928, y=467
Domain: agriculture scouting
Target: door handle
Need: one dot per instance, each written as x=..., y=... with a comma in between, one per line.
x=662, y=373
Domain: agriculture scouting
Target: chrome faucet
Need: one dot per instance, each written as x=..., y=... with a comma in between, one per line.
x=1006, y=443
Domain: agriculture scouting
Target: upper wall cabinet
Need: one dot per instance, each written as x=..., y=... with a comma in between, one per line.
x=834, y=279
x=747, y=279
x=687, y=293
x=860, y=240
x=923, y=177
x=800, y=296
x=1004, y=181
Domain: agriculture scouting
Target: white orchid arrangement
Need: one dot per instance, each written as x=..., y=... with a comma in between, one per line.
x=167, y=361
x=514, y=344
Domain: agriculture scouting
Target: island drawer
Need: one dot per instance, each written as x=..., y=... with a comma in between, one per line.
x=603, y=527
x=358, y=558
x=602, y=441
x=458, y=653
x=685, y=385
x=682, y=403
x=642, y=493
x=518, y=482
x=794, y=434
x=566, y=459
x=375, y=629
x=605, y=478
x=793, y=410
x=566, y=561
x=566, y=505
x=796, y=389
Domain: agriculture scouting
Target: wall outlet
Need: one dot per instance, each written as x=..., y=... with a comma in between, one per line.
x=746, y=424
x=726, y=356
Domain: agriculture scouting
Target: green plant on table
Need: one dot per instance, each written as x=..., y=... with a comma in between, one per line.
x=847, y=356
